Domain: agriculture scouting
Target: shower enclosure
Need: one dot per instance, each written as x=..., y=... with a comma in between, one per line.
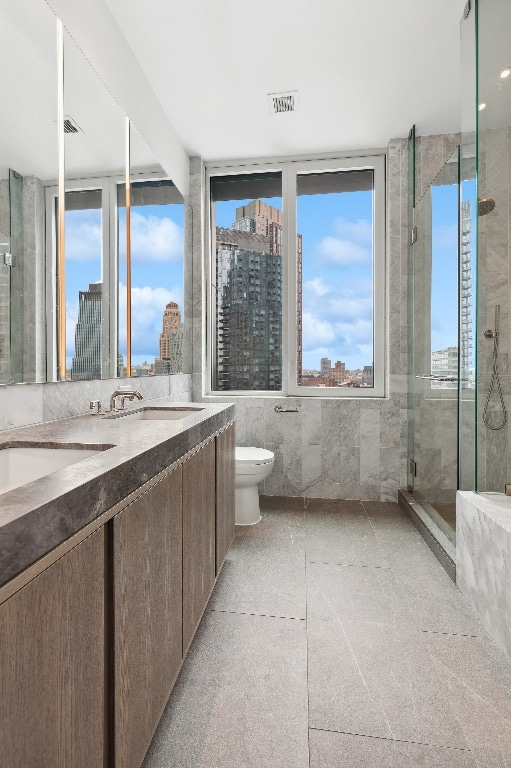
x=460, y=282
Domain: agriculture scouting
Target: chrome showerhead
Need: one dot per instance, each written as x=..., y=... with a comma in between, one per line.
x=485, y=205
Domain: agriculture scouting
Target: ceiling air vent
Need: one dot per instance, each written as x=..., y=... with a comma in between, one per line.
x=283, y=102
x=70, y=126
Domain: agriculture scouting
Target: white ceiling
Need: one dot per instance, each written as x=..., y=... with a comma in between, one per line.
x=365, y=71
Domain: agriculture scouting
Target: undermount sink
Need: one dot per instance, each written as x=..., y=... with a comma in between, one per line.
x=151, y=413
x=21, y=464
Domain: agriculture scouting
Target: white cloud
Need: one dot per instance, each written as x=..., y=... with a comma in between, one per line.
x=316, y=288
x=315, y=331
x=349, y=243
x=359, y=231
x=359, y=332
x=342, y=252
x=152, y=238
x=155, y=239
x=337, y=322
x=83, y=240
x=350, y=307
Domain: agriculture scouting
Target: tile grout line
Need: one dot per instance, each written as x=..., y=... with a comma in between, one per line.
x=261, y=615
x=397, y=741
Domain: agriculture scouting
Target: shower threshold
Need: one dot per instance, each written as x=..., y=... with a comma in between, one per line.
x=434, y=529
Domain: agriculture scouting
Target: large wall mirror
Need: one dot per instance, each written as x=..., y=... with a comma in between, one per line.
x=105, y=300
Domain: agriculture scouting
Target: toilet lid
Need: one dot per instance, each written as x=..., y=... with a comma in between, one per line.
x=252, y=455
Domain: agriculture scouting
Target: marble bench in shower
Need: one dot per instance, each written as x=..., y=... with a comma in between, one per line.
x=483, y=560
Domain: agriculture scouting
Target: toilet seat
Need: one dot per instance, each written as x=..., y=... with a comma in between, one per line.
x=247, y=456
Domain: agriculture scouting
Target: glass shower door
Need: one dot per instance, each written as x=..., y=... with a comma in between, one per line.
x=435, y=347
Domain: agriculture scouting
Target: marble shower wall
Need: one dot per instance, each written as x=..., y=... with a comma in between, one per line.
x=332, y=448
x=494, y=287
x=431, y=154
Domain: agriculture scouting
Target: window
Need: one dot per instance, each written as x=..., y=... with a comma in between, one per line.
x=297, y=278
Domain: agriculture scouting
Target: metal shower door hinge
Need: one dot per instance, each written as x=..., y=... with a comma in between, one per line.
x=413, y=467
x=7, y=259
x=413, y=235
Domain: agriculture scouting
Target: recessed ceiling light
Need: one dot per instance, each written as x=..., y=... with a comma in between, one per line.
x=482, y=106
x=505, y=72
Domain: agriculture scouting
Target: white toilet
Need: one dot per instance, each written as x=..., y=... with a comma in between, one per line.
x=252, y=466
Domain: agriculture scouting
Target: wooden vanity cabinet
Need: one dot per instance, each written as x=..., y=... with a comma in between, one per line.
x=90, y=648
x=147, y=556
x=52, y=664
x=199, y=540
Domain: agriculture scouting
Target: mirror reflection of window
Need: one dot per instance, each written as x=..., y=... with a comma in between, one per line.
x=157, y=268
x=84, y=299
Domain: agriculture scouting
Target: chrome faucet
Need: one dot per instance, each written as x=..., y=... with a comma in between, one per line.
x=124, y=394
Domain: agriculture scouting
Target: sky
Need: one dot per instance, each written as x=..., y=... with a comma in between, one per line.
x=157, y=248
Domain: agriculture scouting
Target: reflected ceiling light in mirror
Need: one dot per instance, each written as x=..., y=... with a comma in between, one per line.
x=505, y=72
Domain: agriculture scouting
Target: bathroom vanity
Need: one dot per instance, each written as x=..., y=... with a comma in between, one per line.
x=106, y=567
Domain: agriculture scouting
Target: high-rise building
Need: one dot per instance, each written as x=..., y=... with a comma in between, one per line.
x=368, y=376
x=87, y=360
x=249, y=311
x=249, y=300
x=171, y=342
x=325, y=366
x=339, y=372
x=444, y=363
x=467, y=362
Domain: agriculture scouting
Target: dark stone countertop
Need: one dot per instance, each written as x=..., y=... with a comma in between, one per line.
x=37, y=517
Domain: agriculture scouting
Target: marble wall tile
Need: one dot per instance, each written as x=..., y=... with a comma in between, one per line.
x=311, y=423
x=370, y=446
x=21, y=404
x=71, y=398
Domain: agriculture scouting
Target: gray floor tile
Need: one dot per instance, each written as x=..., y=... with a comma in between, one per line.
x=332, y=505
x=266, y=580
x=383, y=509
x=434, y=601
x=355, y=594
x=477, y=678
x=340, y=750
x=377, y=681
x=279, y=526
x=240, y=700
x=344, y=536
